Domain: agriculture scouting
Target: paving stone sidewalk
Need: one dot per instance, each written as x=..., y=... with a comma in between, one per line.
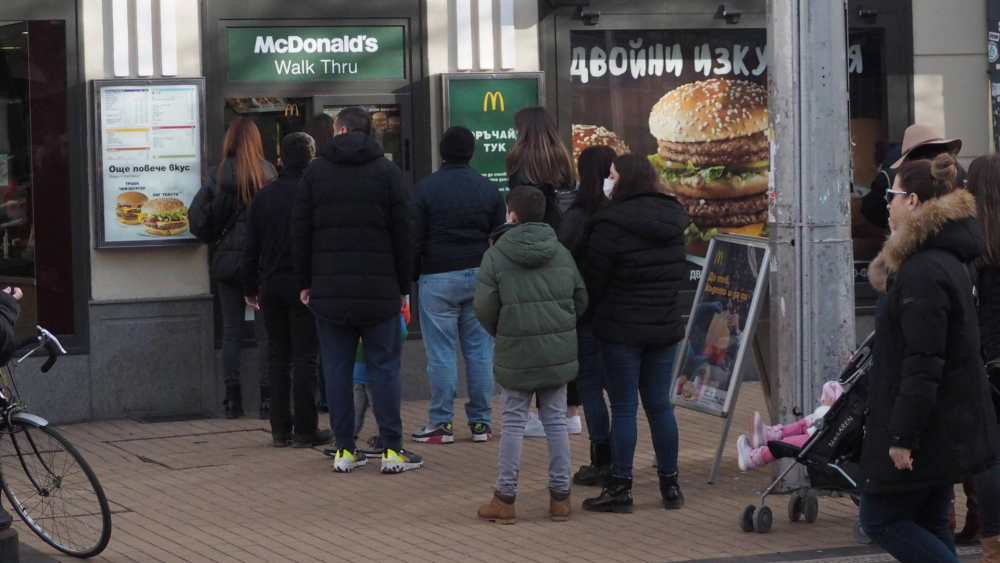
x=215, y=491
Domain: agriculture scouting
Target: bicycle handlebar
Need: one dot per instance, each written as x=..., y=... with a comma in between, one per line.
x=44, y=339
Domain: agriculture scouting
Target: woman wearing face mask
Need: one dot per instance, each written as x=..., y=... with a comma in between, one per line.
x=930, y=420
x=594, y=166
x=634, y=268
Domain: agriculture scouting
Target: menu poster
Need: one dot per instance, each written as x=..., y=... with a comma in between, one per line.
x=151, y=154
x=721, y=325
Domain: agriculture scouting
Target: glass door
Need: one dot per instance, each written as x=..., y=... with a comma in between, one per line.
x=274, y=116
x=392, y=125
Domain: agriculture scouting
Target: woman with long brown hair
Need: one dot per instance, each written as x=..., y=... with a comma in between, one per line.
x=984, y=183
x=539, y=158
x=218, y=218
x=320, y=128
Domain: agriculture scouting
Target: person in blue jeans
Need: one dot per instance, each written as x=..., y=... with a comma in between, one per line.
x=454, y=211
x=634, y=267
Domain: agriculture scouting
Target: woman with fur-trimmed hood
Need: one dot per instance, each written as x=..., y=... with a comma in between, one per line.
x=930, y=421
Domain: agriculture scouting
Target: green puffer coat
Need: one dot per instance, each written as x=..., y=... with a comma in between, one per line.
x=529, y=296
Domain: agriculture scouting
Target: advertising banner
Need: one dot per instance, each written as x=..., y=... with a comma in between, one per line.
x=721, y=326
x=315, y=53
x=486, y=104
x=151, y=150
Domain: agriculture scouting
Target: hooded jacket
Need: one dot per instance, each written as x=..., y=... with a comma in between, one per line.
x=212, y=210
x=10, y=309
x=635, y=267
x=529, y=296
x=927, y=390
x=351, y=233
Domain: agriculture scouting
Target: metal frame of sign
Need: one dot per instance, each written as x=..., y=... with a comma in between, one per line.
x=750, y=330
x=447, y=78
x=99, y=222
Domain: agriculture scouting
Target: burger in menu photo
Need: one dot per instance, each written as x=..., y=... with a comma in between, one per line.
x=713, y=154
x=585, y=136
x=129, y=208
x=165, y=216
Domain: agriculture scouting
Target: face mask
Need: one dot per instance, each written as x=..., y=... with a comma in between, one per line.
x=609, y=186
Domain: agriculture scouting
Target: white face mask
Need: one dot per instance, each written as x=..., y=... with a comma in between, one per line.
x=609, y=186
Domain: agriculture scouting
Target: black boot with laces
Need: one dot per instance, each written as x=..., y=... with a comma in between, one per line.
x=616, y=497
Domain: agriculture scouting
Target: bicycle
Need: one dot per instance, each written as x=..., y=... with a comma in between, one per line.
x=58, y=497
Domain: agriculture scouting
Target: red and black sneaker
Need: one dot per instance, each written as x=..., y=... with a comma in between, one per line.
x=435, y=434
x=481, y=432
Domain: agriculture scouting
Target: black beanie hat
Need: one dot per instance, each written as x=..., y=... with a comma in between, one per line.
x=457, y=145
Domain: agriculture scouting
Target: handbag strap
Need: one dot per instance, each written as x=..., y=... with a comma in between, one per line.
x=229, y=225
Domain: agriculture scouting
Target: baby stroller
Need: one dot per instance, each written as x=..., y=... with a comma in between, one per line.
x=830, y=456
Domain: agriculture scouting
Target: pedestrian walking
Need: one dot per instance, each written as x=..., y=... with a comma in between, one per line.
x=269, y=287
x=983, y=518
x=635, y=265
x=218, y=218
x=594, y=167
x=10, y=310
x=353, y=263
x=930, y=420
x=529, y=296
x=454, y=211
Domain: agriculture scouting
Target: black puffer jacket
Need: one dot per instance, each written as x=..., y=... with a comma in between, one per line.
x=635, y=267
x=351, y=233
x=988, y=284
x=927, y=390
x=9, y=311
x=212, y=210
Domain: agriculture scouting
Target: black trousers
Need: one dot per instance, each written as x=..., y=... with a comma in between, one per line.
x=292, y=366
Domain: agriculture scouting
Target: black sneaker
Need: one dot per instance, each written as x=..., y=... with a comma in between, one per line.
x=399, y=461
x=281, y=439
x=318, y=438
x=372, y=448
x=481, y=432
x=346, y=461
x=435, y=434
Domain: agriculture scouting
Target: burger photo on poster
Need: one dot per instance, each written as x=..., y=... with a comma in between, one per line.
x=713, y=155
x=128, y=210
x=165, y=216
x=585, y=136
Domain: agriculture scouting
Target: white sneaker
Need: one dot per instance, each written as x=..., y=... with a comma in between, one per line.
x=534, y=428
x=574, y=425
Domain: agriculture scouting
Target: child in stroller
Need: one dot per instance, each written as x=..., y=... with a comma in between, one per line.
x=829, y=454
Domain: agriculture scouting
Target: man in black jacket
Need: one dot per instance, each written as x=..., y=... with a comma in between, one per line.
x=269, y=285
x=353, y=263
x=454, y=211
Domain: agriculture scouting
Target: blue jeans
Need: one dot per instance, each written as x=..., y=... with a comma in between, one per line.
x=632, y=372
x=383, y=350
x=590, y=384
x=911, y=526
x=448, y=317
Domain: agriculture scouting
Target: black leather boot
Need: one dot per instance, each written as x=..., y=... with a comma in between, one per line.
x=234, y=401
x=616, y=497
x=599, y=469
x=673, y=498
x=265, y=403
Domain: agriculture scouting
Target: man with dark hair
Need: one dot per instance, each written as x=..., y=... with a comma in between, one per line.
x=527, y=203
x=353, y=264
x=454, y=211
x=269, y=285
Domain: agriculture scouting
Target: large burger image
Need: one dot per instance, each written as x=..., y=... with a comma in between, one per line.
x=129, y=208
x=585, y=136
x=713, y=154
x=165, y=216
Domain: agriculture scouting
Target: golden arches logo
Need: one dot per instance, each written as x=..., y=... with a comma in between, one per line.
x=719, y=258
x=493, y=97
x=291, y=109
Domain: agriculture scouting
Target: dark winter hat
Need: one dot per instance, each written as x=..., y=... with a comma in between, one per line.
x=457, y=145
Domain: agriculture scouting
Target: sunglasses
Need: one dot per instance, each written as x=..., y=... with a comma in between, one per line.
x=891, y=194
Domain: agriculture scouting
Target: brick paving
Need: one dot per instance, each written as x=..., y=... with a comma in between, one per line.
x=215, y=491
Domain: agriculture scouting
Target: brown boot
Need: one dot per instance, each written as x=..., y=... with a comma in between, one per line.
x=991, y=550
x=499, y=510
x=559, y=506
x=970, y=532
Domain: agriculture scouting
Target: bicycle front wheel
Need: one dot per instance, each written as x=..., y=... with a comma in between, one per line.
x=54, y=490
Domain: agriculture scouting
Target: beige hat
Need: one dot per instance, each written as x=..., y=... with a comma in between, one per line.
x=919, y=135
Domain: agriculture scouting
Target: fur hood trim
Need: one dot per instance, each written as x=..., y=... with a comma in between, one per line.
x=920, y=225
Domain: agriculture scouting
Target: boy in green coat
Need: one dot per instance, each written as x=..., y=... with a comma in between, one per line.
x=529, y=296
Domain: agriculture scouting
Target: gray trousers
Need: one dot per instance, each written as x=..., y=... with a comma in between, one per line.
x=552, y=412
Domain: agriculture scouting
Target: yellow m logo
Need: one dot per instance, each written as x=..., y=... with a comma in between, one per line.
x=719, y=258
x=291, y=109
x=493, y=97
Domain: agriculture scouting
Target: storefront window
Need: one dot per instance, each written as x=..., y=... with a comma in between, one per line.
x=35, y=226
x=274, y=117
x=386, y=127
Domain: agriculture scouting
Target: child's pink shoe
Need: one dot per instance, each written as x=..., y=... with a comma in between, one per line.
x=760, y=433
x=747, y=456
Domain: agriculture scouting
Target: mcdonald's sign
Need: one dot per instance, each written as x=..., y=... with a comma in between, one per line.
x=291, y=109
x=493, y=97
x=720, y=257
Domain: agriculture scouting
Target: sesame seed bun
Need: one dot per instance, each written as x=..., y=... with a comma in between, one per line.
x=710, y=110
x=162, y=205
x=132, y=198
x=586, y=136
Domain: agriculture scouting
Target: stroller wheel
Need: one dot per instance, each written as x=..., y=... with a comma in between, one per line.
x=795, y=503
x=746, y=518
x=860, y=535
x=810, y=507
x=762, y=520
